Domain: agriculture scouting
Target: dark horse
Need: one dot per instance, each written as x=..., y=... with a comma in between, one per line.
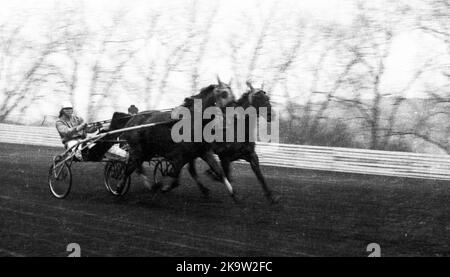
x=154, y=141
x=232, y=151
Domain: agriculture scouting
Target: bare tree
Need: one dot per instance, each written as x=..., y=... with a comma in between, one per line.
x=316, y=70
x=73, y=37
x=178, y=49
x=329, y=96
x=104, y=77
x=260, y=40
x=436, y=20
x=372, y=53
x=148, y=70
x=290, y=56
x=431, y=126
x=21, y=64
x=199, y=55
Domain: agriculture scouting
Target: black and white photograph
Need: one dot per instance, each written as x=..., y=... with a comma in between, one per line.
x=251, y=129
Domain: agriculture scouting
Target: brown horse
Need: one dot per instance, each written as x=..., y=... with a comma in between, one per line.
x=155, y=141
x=233, y=151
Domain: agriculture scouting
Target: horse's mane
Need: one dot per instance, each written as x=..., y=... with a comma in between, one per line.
x=119, y=120
x=189, y=101
x=242, y=99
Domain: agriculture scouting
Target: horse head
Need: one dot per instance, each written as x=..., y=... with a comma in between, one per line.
x=258, y=98
x=219, y=95
x=223, y=93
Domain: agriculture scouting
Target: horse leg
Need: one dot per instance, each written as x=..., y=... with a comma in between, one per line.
x=171, y=181
x=211, y=161
x=134, y=162
x=225, y=162
x=213, y=174
x=253, y=159
x=143, y=172
x=194, y=175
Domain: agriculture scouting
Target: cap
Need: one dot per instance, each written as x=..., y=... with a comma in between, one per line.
x=66, y=105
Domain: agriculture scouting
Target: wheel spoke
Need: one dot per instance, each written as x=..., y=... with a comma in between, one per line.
x=60, y=179
x=114, y=173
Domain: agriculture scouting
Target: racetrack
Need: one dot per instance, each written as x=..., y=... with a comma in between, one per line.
x=320, y=214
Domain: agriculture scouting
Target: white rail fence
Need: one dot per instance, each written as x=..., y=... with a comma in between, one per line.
x=388, y=163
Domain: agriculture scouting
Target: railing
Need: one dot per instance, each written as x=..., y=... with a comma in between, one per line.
x=32, y=135
x=388, y=163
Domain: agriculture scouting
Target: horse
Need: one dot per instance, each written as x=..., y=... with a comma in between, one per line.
x=146, y=143
x=118, y=121
x=232, y=151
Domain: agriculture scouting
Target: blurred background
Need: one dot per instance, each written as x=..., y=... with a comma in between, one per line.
x=348, y=73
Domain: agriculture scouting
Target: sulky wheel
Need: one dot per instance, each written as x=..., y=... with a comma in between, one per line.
x=162, y=168
x=114, y=173
x=60, y=178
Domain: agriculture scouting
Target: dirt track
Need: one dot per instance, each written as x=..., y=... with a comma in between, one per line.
x=320, y=214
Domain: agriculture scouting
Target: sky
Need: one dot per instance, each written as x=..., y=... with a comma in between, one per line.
x=409, y=50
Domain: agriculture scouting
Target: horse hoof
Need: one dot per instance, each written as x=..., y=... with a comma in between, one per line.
x=156, y=187
x=169, y=187
x=237, y=199
x=166, y=189
x=274, y=199
x=205, y=191
x=154, y=196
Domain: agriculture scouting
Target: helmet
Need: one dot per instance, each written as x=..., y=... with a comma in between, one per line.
x=66, y=105
x=133, y=109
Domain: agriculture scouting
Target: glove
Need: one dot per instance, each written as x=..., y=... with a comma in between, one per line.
x=81, y=126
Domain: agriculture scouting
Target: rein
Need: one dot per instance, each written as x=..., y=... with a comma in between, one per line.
x=128, y=116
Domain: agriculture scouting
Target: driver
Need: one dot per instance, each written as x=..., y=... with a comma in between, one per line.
x=133, y=110
x=72, y=128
